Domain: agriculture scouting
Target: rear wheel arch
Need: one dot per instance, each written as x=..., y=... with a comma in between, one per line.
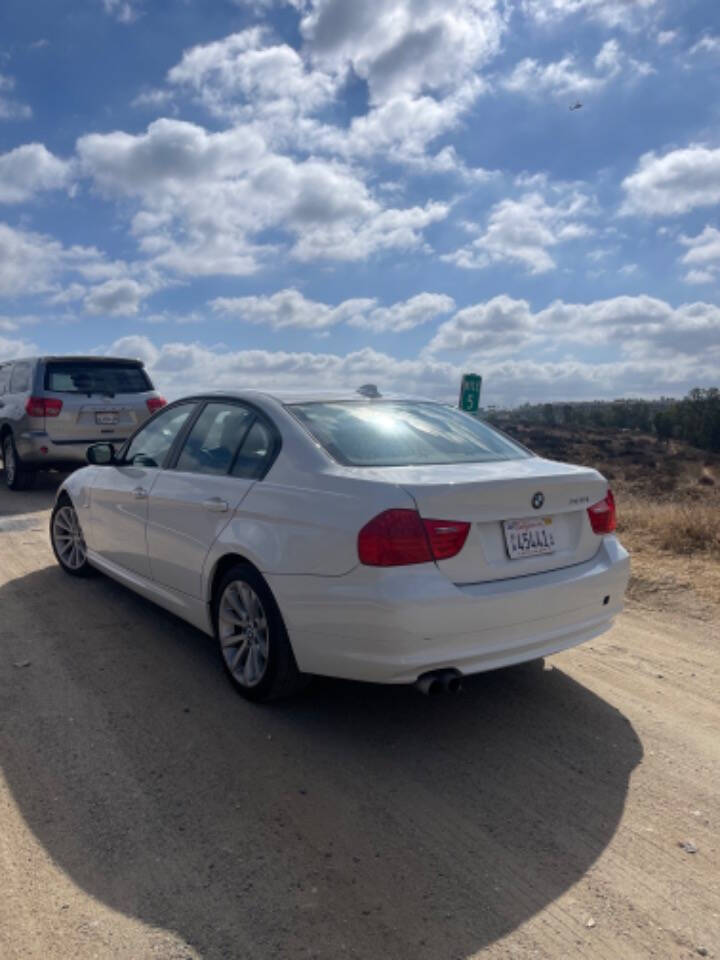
x=221, y=567
x=282, y=677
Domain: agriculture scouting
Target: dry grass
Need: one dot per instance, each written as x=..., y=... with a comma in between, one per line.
x=684, y=527
x=675, y=549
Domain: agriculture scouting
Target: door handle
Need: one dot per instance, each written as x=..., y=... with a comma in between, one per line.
x=140, y=493
x=216, y=505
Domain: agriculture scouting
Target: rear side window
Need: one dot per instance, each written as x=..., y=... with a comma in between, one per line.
x=87, y=376
x=255, y=453
x=403, y=433
x=5, y=378
x=20, y=380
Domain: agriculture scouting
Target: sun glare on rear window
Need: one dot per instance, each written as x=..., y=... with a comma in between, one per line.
x=402, y=433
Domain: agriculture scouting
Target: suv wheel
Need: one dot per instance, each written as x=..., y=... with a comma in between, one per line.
x=17, y=475
x=252, y=638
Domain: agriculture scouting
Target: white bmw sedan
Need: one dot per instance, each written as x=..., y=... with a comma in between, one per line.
x=372, y=538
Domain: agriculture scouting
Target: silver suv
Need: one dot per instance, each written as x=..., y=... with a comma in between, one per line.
x=53, y=408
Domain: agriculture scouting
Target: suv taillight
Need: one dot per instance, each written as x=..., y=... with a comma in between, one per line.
x=155, y=403
x=400, y=537
x=603, y=515
x=43, y=407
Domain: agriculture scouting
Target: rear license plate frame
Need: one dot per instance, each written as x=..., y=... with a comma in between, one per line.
x=107, y=418
x=529, y=537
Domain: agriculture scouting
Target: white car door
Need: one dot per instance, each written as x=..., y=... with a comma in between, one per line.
x=190, y=504
x=119, y=495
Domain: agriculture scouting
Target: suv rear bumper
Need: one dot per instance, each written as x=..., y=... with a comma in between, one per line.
x=37, y=449
x=391, y=625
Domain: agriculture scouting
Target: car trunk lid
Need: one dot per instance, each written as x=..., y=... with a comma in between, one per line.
x=489, y=495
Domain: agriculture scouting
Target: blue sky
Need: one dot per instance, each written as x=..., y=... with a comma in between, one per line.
x=324, y=193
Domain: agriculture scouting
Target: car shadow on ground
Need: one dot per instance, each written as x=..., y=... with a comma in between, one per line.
x=354, y=820
x=16, y=503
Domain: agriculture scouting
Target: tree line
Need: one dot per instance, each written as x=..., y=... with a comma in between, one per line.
x=694, y=419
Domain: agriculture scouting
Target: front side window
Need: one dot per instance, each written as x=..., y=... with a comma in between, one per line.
x=96, y=376
x=403, y=433
x=20, y=381
x=151, y=445
x=214, y=439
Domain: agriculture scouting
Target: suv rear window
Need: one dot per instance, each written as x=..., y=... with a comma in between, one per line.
x=84, y=376
x=403, y=433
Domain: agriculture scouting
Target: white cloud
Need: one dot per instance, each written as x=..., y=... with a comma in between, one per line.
x=665, y=37
x=289, y=308
x=638, y=327
x=403, y=46
x=613, y=13
x=11, y=348
x=566, y=77
x=703, y=256
x=36, y=265
x=205, y=198
x=406, y=314
x=30, y=169
x=28, y=261
x=179, y=368
x=11, y=109
x=674, y=183
x=699, y=277
x=115, y=298
x=279, y=92
x=710, y=43
x=124, y=11
x=526, y=229
x=244, y=75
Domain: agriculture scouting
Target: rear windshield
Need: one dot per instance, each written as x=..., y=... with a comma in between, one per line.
x=403, y=433
x=83, y=376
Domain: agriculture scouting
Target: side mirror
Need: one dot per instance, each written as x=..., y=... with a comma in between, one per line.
x=101, y=454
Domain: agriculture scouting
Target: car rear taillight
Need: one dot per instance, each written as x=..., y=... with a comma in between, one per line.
x=602, y=514
x=43, y=406
x=155, y=403
x=400, y=537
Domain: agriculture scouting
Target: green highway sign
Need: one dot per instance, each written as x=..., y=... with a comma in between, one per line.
x=470, y=392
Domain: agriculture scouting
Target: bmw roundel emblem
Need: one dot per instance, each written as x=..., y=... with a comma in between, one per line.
x=538, y=500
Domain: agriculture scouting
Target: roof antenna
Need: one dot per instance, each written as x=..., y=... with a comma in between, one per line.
x=368, y=390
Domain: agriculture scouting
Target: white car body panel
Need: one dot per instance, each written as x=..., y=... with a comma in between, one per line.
x=181, y=529
x=299, y=526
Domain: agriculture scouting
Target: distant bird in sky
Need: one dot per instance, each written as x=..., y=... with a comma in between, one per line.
x=576, y=106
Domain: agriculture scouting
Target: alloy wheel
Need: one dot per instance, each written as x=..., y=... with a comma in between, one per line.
x=68, y=538
x=244, y=633
x=9, y=460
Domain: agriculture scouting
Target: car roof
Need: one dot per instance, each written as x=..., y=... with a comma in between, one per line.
x=308, y=396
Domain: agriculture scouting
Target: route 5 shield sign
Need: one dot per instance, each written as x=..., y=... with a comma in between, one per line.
x=470, y=392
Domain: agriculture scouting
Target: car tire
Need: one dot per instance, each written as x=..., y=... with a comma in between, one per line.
x=67, y=540
x=17, y=475
x=252, y=641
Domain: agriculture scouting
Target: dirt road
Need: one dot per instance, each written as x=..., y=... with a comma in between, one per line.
x=146, y=811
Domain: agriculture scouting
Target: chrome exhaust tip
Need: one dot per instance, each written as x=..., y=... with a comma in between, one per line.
x=429, y=684
x=439, y=681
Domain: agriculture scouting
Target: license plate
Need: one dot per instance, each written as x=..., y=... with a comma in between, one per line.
x=529, y=538
x=106, y=418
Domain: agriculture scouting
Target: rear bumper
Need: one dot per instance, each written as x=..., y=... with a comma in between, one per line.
x=31, y=445
x=393, y=625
